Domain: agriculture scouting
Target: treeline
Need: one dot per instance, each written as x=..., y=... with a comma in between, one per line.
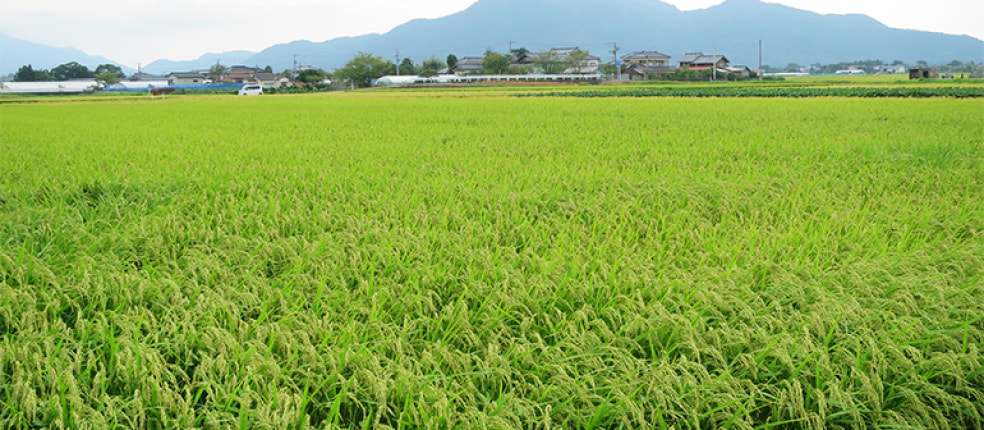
x=873, y=66
x=107, y=73
x=781, y=92
x=364, y=68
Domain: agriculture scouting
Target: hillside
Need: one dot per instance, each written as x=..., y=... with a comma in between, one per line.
x=18, y=52
x=732, y=28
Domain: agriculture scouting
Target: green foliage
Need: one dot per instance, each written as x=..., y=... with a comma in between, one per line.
x=466, y=260
x=549, y=62
x=215, y=72
x=311, y=77
x=496, y=63
x=28, y=74
x=431, y=67
x=361, y=70
x=577, y=60
x=71, y=70
x=785, y=92
x=452, y=61
x=407, y=67
x=109, y=68
x=107, y=79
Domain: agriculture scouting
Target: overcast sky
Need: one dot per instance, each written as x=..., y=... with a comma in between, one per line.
x=140, y=32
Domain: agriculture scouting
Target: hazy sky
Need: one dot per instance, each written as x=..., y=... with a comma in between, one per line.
x=141, y=32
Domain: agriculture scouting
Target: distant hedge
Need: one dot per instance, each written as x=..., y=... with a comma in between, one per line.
x=865, y=92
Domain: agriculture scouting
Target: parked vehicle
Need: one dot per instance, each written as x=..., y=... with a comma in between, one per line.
x=251, y=90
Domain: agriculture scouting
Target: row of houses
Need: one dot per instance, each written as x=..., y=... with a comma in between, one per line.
x=231, y=75
x=637, y=65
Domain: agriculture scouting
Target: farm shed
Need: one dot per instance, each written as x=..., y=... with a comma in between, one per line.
x=923, y=74
x=61, y=87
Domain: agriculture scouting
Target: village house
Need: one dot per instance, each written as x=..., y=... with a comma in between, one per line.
x=699, y=61
x=271, y=80
x=558, y=60
x=141, y=77
x=240, y=74
x=469, y=66
x=651, y=59
x=740, y=70
x=186, y=78
x=891, y=69
x=645, y=64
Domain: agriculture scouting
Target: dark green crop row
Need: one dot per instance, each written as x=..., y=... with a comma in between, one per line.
x=900, y=92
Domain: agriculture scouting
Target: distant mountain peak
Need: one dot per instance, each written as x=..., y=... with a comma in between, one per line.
x=732, y=28
x=19, y=52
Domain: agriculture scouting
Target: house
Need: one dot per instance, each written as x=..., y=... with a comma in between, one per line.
x=740, y=70
x=651, y=59
x=699, y=61
x=141, y=76
x=645, y=64
x=240, y=74
x=189, y=78
x=635, y=71
x=271, y=80
x=559, y=60
x=469, y=66
x=894, y=69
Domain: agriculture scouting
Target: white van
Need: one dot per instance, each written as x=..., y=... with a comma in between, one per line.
x=251, y=90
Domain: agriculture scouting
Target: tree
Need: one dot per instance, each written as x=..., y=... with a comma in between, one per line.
x=107, y=79
x=109, y=68
x=578, y=59
x=407, y=67
x=364, y=68
x=72, y=70
x=432, y=64
x=519, y=52
x=452, y=61
x=268, y=69
x=496, y=63
x=311, y=77
x=215, y=72
x=549, y=62
x=28, y=74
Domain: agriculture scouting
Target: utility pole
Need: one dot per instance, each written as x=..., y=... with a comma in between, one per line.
x=397, y=62
x=511, y=42
x=618, y=65
x=295, y=64
x=760, y=60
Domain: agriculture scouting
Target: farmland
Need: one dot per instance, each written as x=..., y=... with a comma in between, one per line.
x=446, y=259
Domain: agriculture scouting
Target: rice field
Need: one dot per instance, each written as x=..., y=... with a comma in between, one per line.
x=449, y=259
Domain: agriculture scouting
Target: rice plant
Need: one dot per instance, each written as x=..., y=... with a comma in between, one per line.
x=448, y=259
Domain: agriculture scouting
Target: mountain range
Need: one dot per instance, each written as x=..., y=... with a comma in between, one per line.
x=733, y=28
x=15, y=53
